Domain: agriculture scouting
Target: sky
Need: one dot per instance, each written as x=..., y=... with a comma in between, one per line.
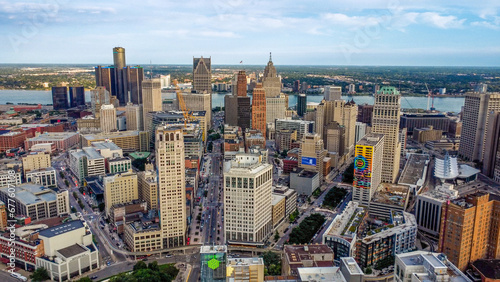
x=356, y=32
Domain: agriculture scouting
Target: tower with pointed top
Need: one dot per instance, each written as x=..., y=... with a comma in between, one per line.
x=202, y=75
x=271, y=81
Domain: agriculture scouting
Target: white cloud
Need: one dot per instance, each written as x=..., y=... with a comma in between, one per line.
x=223, y=34
x=350, y=21
x=439, y=21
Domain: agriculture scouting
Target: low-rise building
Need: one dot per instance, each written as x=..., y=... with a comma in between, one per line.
x=424, y=266
x=69, y=251
x=119, y=164
x=36, y=160
x=210, y=255
x=245, y=269
x=387, y=198
x=26, y=250
x=488, y=269
x=44, y=176
x=62, y=140
x=129, y=141
x=425, y=134
x=120, y=188
x=86, y=162
x=148, y=187
x=304, y=182
x=141, y=238
x=290, y=198
x=37, y=202
x=297, y=256
x=279, y=204
x=12, y=139
x=12, y=178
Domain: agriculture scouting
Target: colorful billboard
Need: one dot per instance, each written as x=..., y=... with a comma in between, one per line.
x=308, y=161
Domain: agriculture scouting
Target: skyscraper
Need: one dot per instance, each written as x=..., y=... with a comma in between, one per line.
x=248, y=199
x=259, y=109
x=301, y=104
x=134, y=116
x=60, y=97
x=312, y=153
x=333, y=93
x=475, y=118
x=271, y=81
x=76, y=96
x=151, y=91
x=120, y=77
x=99, y=96
x=169, y=144
x=386, y=111
x=105, y=77
x=199, y=102
x=244, y=112
x=202, y=75
x=108, y=118
x=275, y=108
x=367, y=167
x=241, y=84
x=470, y=229
x=133, y=77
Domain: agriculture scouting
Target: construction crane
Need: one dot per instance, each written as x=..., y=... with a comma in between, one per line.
x=182, y=105
x=429, y=95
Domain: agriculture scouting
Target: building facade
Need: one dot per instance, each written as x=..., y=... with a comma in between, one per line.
x=259, y=109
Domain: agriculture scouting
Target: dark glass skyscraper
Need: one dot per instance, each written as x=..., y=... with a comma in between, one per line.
x=133, y=79
x=301, y=104
x=76, y=96
x=105, y=76
x=60, y=97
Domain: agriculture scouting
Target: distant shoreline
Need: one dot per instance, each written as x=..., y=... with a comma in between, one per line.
x=369, y=94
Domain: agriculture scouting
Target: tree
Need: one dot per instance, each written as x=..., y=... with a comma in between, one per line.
x=140, y=265
x=210, y=146
x=334, y=197
x=40, y=274
x=368, y=270
x=303, y=233
x=154, y=266
x=66, y=182
x=84, y=279
x=272, y=263
x=348, y=175
x=276, y=236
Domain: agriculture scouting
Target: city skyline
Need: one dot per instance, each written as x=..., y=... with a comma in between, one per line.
x=336, y=33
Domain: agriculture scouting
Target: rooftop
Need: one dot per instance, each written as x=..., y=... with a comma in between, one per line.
x=489, y=268
x=320, y=274
x=61, y=229
x=298, y=253
x=53, y=136
x=100, y=136
x=276, y=198
x=100, y=145
x=232, y=262
x=430, y=267
x=304, y=173
x=441, y=193
x=370, y=139
x=391, y=194
x=213, y=249
x=403, y=221
x=29, y=193
x=352, y=265
x=413, y=172
x=72, y=251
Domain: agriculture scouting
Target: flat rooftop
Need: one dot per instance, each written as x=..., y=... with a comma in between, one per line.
x=53, y=136
x=391, y=194
x=320, y=274
x=489, y=268
x=72, y=251
x=101, y=136
x=414, y=169
x=370, y=139
x=213, y=249
x=63, y=228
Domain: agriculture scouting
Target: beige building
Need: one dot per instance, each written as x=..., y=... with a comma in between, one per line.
x=86, y=162
x=245, y=269
x=69, y=251
x=204, y=119
x=284, y=139
x=88, y=124
x=271, y=81
x=247, y=199
x=386, y=112
x=275, y=107
x=108, y=118
x=202, y=74
x=422, y=135
x=171, y=184
x=312, y=153
x=129, y=141
x=139, y=239
x=475, y=119
x=120, y=188
x=279, y=209
x=134, y=116
x=148, y=187
x=36, y=160
x=151, y=100
x=199, y=102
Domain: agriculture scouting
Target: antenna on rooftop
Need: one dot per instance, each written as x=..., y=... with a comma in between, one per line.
x=151, y=65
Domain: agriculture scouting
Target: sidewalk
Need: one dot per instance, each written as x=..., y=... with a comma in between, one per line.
x=184, y=272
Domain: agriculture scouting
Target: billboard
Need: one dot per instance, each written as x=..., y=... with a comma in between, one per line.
x=308, y=161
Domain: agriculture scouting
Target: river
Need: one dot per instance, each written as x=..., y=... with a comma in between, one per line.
x=449, y=104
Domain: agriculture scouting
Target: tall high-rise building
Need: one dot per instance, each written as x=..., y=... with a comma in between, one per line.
x=105, y=77
x=271, y=81
x=199, y=102
x=334, y=138
x=165, y=81
x=475, y=118
x=98, y=97
x=301, y=104
x=333, y=93
x=76, y=96
x=367, y=167
x=296, y=86
x=386, y=111
x=202, y=75
x=133, y=85
x=151, y=102
x=259, y=109
x=120, y=76
x=134, y=116
x=169, y=144
x=248, y=199
x=60, y=97
x=241, y=84
x=108, y=118
x=470, y=229
x=244, y=112
x=231, y=110
x=312, y=153
x=276, y=108
x=120, y=188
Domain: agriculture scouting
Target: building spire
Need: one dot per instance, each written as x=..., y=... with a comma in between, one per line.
x=270, y=58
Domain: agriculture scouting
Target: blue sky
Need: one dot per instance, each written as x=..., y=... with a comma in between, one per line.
x=356, y=32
